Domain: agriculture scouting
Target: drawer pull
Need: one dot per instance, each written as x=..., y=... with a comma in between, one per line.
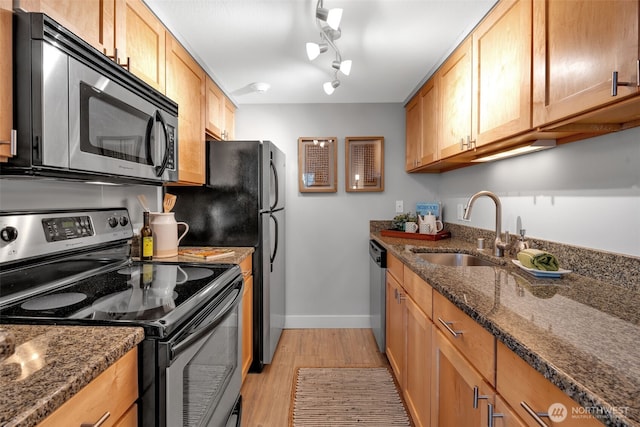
x=477, y=396
x=448, y=326
x=535, y=415
x=492, y=415
x=98, y=423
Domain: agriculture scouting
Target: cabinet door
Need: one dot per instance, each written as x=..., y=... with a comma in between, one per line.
x=502, y=72
x=6, y=79
x=141, y=41
x=229, y=120
x=418, y=366
x=413, y=144
x=455, y=101
x=186, y=86
x=91, y=20
x=576, y=47
x=215, y=110
x=247, y=326
x=395, y=328
x=503, y=415
x=452, y=388
x=430, y=112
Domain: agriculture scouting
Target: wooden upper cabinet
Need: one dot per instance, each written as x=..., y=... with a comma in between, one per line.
x=502, y=72
x=186, y=86
x=430, y=122
x=455, y=85
x=413, y=116
x=91, y=20
x=229, y=120
x=6, y=79
x=141, y=42
x=577, y=45
x=215, y=109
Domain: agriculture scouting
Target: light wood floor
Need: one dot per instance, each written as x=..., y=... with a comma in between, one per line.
x=266, y=396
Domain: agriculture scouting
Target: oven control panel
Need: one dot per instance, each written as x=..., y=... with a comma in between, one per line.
x=65, y=228
x=29, y=234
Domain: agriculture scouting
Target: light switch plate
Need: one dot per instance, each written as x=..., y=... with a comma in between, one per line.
x=399, y=206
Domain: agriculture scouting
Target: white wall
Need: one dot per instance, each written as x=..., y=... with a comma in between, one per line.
x=327, y=233
x=585, y=193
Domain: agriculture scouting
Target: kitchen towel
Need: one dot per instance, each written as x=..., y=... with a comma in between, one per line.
x=538, y=260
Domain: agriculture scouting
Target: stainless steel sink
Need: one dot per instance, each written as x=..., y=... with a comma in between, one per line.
x=455, y=259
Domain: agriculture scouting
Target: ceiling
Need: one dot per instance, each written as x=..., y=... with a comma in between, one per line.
x=394, y=45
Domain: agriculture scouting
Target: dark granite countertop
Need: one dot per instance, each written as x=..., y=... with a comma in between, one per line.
x=240, y=253
x=581, y=333
x=53, y=363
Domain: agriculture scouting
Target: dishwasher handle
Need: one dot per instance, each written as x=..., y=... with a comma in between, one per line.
x=378, y=253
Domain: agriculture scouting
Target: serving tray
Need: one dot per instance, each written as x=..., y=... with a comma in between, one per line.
x=417, y=236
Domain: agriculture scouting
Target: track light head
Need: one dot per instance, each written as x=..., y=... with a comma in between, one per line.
x=344, y=67
x=331, y=16
x=315, y=49
x=330, y=87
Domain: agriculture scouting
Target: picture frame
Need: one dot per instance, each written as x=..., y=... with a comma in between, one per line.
x=317, y=163
x=364, y=163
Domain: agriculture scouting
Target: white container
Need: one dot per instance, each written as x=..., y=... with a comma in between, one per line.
x=165, y=234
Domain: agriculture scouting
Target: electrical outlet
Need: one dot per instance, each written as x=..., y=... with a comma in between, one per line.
x=399, y=206
x=460, y=211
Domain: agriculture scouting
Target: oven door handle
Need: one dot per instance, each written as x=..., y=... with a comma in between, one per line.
x=204, y=327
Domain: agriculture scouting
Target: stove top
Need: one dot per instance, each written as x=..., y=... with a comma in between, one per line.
x=152, y=295
x=73, y=267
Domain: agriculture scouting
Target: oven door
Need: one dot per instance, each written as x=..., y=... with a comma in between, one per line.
x=202, y=374
x=112, y=130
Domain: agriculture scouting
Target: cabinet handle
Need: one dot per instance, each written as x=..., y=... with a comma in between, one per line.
x=535, y=415
x=615, y=83
x=491, y=415
x=477, y=396
x=13, y=142
x=99, y=422
x=447, y=325
x=467, y=145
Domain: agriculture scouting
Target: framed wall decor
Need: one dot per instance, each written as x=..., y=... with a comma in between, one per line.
x=364, y=163
x=317, y=160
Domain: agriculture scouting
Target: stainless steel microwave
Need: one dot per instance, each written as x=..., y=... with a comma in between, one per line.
x=80, y=115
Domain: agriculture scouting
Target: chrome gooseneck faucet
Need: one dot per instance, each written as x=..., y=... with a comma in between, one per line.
x=499, y=245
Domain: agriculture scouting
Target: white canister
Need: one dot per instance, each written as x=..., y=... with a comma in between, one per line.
x=165, y=234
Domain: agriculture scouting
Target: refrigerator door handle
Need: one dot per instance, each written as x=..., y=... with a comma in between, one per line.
x=276, y=185
x=275, y=246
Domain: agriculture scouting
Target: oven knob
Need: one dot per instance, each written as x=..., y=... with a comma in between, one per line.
x=113, y=222
x=9, y=234
x=124, y=221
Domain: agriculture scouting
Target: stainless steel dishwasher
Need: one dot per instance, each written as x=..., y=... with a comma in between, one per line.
x=377, y=298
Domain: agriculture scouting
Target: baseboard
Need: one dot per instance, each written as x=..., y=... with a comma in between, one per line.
x=307, y=322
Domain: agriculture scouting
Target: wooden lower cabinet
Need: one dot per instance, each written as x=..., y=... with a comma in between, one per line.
x=247, y=316
x=395, y=328
x=522, y=386
x=453, y=384
x=418, y=364
x=113, y=392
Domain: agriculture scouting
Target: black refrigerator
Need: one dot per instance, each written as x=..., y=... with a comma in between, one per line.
x=243, y=204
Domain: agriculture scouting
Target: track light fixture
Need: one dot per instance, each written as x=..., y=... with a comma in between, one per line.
x=328, y=22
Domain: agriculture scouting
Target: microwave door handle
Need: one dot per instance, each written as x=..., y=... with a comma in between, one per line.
x=147, y=140
x=160, y=169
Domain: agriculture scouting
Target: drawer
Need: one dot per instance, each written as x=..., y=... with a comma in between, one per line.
x=521, y=385
x=474, y=342
x=419, y=291
x=113, y=391
x=395, y=267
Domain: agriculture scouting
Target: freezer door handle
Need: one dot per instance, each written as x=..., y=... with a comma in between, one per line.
x=275, y=246
x=276, y=185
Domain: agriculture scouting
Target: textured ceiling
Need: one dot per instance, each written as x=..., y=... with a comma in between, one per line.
x=394, y=45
